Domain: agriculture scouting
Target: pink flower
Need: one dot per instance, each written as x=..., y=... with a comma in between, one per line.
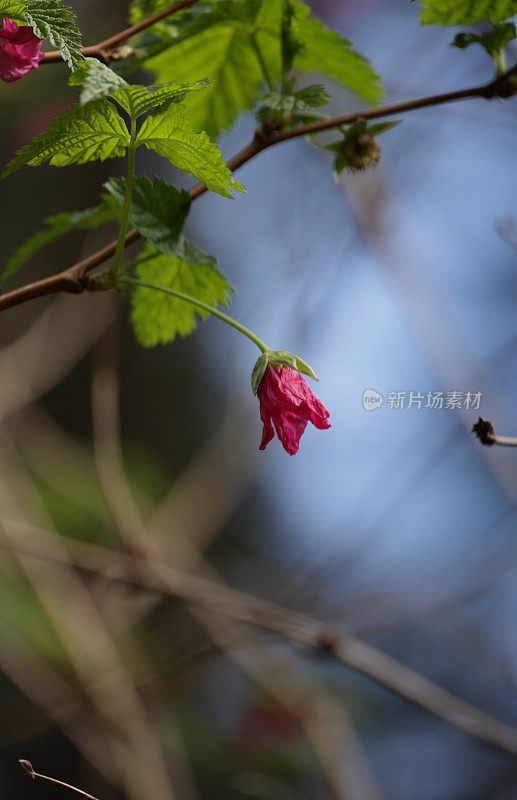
x=19, y=51
x=288, y=404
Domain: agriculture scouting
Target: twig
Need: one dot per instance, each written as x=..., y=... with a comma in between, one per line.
x=106, y=50
x=291, y=625
x=75, y=279
x=30, y=772
x=485, y=432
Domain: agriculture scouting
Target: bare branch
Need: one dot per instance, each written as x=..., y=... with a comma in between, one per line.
x=30, y=772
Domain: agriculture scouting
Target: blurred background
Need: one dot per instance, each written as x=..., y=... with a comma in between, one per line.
x=395, y=526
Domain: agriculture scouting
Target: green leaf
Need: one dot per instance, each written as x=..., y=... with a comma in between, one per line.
x=222, y=52
x=158, y=211
x=138, y=100
x=466, y=12
x=97, y=80
x=168, y=132
x=14, y=10
x=325, y=50
x=52, y=20
x=57, y=225
x=158, y=318
x=78, y=135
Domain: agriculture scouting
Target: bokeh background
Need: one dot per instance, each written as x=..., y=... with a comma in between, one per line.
x=395, y=526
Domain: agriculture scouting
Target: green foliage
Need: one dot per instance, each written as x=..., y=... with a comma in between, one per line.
x=58, y=225
x=168, y=132
x=285, y=108
x=223, y=51
x=224, y=42
x=78, y=135
x=493, y=41
x=14, y=10
x=158, y=211
x=98, y=81
x=291, y=46
x=326, y=51
x=466, y=12
x=52, y=20
x=158, y=318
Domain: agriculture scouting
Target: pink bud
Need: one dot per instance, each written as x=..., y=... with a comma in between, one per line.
x=19, y=51
x=288, y=404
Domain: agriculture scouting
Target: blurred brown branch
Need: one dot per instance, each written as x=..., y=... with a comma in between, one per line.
x=294, y=626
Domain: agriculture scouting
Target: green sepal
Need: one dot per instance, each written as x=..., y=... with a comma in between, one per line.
x=280, y=358
x=258, y=371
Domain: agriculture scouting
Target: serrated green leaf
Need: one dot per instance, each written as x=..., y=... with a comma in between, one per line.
x=52, y=20
x=158, y=318
x=223, y=52
x=158, y=211
x=58, y=225
x=138, y=100
x=466, y=12
x=97, y=80
x=78, y=135
x=325, y=50
x=168, y=132
x=14, y=10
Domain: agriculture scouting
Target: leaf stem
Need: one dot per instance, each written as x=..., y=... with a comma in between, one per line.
x=262, y=346
x=126, y=207
x=500, y=62
x=261, y=60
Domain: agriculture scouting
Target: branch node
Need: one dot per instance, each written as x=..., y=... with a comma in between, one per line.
x=484, y=430
x=27, y=768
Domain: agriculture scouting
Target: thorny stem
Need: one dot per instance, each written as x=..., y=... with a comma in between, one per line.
x=126, y=208
x=75, y=279
x=262, y=346
x=30, y=772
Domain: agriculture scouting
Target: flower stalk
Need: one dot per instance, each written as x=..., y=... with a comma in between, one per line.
x=215, y=312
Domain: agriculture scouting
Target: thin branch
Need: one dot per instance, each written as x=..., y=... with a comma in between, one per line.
x=75, y=279
x=30, y=772
x=107, y=49
x=291, y=625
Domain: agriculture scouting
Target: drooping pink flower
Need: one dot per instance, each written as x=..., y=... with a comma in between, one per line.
x=287, y=404
x=19, y=50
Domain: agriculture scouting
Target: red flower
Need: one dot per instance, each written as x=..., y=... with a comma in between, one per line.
x=287, y=402
x=19, y=51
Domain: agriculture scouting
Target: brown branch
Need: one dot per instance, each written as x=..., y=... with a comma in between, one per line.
x=30, y=772
x=106, y=50
x=75, y=279
x=291, y=625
